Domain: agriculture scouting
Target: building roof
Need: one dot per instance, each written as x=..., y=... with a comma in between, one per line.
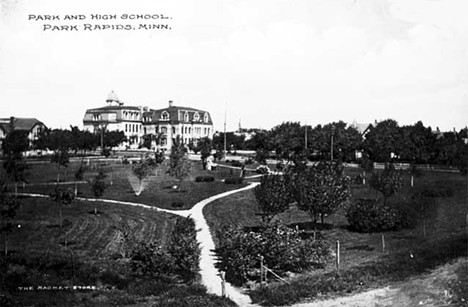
x=177, y=113
x=113, y=108
x=19, y=123
x=112, y=97
x=362, y=128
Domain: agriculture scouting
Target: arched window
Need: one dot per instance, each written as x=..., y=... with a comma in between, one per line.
x=205, y=118
x=186, y=117
x=164, y=115
x=196, y=116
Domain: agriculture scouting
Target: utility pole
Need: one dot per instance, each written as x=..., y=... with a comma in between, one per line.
x=305, y=135
x=331, y=149
x=225, y=131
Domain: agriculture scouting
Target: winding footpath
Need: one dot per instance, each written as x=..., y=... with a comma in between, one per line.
x=209, y=274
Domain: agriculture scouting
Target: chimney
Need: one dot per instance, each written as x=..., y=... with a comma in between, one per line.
x=171, y=104
x=12, y=123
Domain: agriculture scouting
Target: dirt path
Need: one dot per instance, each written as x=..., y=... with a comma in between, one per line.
x=428, y=290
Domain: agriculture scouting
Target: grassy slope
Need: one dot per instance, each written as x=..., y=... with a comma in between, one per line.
x=89, y=235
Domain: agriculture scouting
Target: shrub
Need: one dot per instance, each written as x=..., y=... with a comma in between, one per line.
x=234, y=180
x=262, y=169
x=150, y=260
x=368, y=215
x=184, y=249
x=283, y=250
x=106, y=152
x=204, y=179
x=79, y=175
x=177, y=204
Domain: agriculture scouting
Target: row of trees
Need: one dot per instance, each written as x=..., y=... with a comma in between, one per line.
x=384, y=141
x=64, y=140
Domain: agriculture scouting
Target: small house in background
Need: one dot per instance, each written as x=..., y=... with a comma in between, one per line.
x=363, y=129
x=33, y=126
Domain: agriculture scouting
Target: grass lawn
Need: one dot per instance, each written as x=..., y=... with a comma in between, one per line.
x=157, y=189
x=90, y=235
x=362, y=252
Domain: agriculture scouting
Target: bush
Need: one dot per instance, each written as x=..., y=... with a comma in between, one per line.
x=262, y=169
x=233, y=180
x=368, y=215
x=106, y=152
x=79, y=175
x=177, y=204
x=184, y=249
x=204, y=179
x=283, y=250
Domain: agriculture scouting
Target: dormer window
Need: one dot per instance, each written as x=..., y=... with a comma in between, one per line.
x=205, y=118
x=96, y=117
x=196, y=116
x=186, y=117
x=165, y=115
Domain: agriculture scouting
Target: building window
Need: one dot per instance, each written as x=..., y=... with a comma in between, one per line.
x=196, y=116
x=186, y=117
x=126, y=128
x=164, y=115
x=163, y=129
x=205, y=118
x=173, y=130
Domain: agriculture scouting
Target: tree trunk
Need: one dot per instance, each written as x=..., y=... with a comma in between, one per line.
x=6, y=244
x=412, y=181
x=60, y=219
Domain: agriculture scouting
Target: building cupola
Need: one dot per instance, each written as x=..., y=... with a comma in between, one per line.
x=112, y=99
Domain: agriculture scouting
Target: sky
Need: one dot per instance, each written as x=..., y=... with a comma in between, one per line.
x=254, y=62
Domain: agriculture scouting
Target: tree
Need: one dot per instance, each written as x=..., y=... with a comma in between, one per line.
x=288, y=141
x=59, y=141
x=179, y=165
x=114, y=138
x=13, y=147
x=184, y=249
x=62, y=158
x=63, y=197
x=8, y=208
x=319, y=190
x=99, y=185
x=386, y=182
x=204, y=146
x=383, y=140
x=272, y=196
x=367, y=165
x=261, y=155
x=142, y=170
